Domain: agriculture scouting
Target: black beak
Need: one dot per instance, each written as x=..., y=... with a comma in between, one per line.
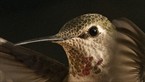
x=42, y=39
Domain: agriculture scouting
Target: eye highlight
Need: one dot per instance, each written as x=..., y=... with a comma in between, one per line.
x=93, y=31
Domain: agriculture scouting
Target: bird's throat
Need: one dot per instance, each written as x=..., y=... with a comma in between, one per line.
x=81, y=65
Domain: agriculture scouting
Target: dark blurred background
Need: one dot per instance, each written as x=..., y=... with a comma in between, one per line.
x=26, y=19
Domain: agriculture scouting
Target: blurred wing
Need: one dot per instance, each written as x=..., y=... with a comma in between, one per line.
x=19, y=64
x=129, y=65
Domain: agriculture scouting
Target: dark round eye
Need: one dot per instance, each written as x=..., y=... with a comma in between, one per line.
x=93, y=31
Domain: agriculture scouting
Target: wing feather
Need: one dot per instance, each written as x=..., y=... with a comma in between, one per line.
x=130, y=57
x=19, y=64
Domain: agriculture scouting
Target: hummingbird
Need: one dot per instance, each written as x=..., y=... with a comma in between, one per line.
x=98, y=50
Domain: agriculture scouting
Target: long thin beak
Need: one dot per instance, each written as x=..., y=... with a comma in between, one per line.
x=42, y=39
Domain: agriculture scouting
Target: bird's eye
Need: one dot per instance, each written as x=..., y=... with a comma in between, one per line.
x=93, y=31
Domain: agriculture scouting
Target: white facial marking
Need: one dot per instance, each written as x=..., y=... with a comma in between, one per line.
x=100, y=29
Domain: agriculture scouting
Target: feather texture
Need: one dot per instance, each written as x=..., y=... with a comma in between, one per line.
x=129, y=59
x=19, y=64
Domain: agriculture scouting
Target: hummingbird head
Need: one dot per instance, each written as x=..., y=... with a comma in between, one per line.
x=86, y=44
x=85, y=41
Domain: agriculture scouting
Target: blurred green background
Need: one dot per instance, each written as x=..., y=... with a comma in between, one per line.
x=26, y=19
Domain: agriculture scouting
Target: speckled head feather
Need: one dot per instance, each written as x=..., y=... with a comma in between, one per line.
x=76, y=26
